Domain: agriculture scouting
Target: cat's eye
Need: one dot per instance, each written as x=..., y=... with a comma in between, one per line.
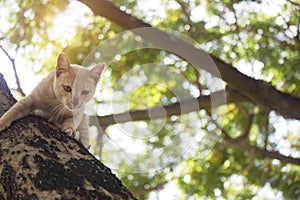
x=67, y=88
x=85, y=92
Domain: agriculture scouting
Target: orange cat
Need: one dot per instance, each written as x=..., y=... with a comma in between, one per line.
x=60, y=97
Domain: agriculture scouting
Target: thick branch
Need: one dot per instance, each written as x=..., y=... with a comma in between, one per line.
x=178, y=108
x=258, y=91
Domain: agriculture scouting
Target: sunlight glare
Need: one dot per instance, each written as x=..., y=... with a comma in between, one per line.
x=64, y=25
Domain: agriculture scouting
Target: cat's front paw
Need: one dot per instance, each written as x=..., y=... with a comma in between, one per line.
x=71, y=132
x=75, y=135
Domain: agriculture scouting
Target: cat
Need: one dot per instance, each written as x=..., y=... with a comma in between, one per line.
x=60, y=97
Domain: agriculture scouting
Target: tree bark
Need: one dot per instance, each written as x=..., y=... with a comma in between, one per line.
x=38, y=161
x=258, y=91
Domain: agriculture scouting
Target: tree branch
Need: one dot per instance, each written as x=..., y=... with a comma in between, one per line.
x=185, y=10
x=245, y=134
x=243, y=144
x=258, y=91
x=178, y=108
x=150, y=189
x=294, y=3
x=261, y=153
x=12, y=60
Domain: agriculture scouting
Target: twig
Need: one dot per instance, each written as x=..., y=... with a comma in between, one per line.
x=150, y=189
x=12, y=60
x=294, y=3
x=185, y=10
x=255, y=151
x=267, y=136
x=245, y=135
x=187, y=13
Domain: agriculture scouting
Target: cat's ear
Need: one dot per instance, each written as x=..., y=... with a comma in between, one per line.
x=63, y=64
x=96, y=71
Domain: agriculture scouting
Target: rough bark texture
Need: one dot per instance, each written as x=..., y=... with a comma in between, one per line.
x=38, y=161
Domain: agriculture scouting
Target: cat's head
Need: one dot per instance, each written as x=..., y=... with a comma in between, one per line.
x=75, y=85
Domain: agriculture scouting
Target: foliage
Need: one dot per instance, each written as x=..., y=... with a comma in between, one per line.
x=259, y=38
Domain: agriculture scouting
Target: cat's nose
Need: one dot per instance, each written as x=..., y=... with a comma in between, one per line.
x=75, y=101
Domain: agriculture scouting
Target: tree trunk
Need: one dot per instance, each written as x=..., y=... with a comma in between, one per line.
x=38, y=161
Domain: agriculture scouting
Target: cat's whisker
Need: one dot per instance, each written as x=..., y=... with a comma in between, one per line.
x=60, y=112
x=57, y=111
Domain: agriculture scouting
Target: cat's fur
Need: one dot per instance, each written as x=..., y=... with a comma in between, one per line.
x=60, y=97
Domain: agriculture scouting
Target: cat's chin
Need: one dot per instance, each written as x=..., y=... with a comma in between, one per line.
x=70, y=109
x=73, y=108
